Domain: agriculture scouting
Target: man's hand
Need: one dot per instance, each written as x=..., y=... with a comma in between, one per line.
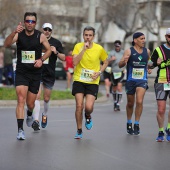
x=38, y=63
x=95, y=75
x=19, y=28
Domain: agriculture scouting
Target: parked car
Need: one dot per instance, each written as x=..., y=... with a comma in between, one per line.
x=59, y=70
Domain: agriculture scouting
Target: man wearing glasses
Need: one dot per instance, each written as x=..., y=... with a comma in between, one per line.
x=48, y=76
x=29, y=43
x=161, y=59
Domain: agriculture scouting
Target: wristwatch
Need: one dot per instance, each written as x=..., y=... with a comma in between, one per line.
x=42, y=59
x=100, y=72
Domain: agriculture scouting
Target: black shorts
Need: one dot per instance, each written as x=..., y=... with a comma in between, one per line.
x=30, y=80
x=106, y=75
x=48, y=81
x=115, y=80
x=79, y=87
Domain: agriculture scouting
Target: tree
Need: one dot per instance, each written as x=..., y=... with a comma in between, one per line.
x=11, y=13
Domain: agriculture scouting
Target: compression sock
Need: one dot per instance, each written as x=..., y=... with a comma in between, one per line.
x=29, y=113
x=36, y=110
x=119, y=97
x=20, y=123
x=46, y=107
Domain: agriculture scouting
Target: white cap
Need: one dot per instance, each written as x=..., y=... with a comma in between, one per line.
x=168, y=31
x=47, y=25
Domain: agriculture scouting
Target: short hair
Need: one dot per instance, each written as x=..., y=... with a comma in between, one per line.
x=89, y=28
x=117, y=42
x=30, y=14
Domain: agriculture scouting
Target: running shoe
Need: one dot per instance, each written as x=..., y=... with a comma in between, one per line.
x=21, y=135
x=36, y=125
x=78, y=135
x=160, y=137
x=115, y=106
x=29, y=121
x=89, y=123
x=118, y=107
x=44, y=121
x=136, y=130
x=167, y=134
x=129, y=129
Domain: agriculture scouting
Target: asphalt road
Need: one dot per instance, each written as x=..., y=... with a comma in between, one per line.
x=105, y=147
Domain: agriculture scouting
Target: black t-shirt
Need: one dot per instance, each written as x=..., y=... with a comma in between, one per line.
x=49, y=69
x=27, y=48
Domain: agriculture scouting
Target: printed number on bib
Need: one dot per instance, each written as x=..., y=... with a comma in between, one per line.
x=86, y=75
x=117, y=75
x=167, y=86
x=28, y=56
x=138, y=73
x=70, y=70
x=46, y=61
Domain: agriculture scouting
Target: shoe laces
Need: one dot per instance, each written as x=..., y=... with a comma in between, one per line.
x=168, y=132
x=160, y=134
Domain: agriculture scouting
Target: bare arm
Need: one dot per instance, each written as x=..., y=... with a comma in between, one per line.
x=103, y=67
x=61, y=56
x=13, y=37
x=125, y=58
x=44, y=41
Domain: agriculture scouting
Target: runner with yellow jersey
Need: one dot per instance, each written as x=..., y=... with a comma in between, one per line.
x=87, y=57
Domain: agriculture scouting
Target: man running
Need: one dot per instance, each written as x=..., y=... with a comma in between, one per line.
x=87, y=57
x=160, y=58
x=117, y=74
x=48, y=76
x=29, y=66
x=136, y=59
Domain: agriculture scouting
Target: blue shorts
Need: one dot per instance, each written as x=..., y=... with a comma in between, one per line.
x=131, y=86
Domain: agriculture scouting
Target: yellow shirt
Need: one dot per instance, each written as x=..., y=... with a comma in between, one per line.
x=89, y=63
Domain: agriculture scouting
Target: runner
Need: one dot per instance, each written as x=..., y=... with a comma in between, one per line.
x=160, y=58
x=29, y=66
x=117, y=74
x=136, y=59
x=48, y=76
x=87, y=57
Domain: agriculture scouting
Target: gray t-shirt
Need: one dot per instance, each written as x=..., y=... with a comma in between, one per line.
x=114, y=63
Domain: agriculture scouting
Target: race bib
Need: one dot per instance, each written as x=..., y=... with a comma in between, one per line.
x=46, y=61
x=70, y=70
x=86, y=75
x=28, y=56
x=117, y=75
x=166, y=86
x=138, y=73
x=108, y=69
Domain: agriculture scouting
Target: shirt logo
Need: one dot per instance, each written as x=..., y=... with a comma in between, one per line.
x=140, y=57
x=134, y=54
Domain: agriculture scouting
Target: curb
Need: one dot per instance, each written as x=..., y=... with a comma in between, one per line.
x=13, y=103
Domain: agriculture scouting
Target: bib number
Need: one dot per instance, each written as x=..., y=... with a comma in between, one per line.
x=86, y=75
x=117, y=75
x=46, y=61
x=108, y=69
x=28, y=56
x=167, y=87
x=70, y=70
x=138, y=73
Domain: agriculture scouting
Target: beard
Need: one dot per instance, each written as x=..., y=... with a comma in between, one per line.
x=167, y=42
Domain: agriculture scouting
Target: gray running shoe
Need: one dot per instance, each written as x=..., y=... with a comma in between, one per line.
x=36, y=125
x=29, y=121
x=21, y=135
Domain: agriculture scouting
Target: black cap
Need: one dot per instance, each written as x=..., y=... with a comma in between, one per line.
x=136, y=35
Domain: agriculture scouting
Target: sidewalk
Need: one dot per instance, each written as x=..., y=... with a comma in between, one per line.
x=13, y=103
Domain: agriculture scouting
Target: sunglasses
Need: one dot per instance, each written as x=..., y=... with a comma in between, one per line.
x=30, y=21
x=47, y=29
x=168, y=36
